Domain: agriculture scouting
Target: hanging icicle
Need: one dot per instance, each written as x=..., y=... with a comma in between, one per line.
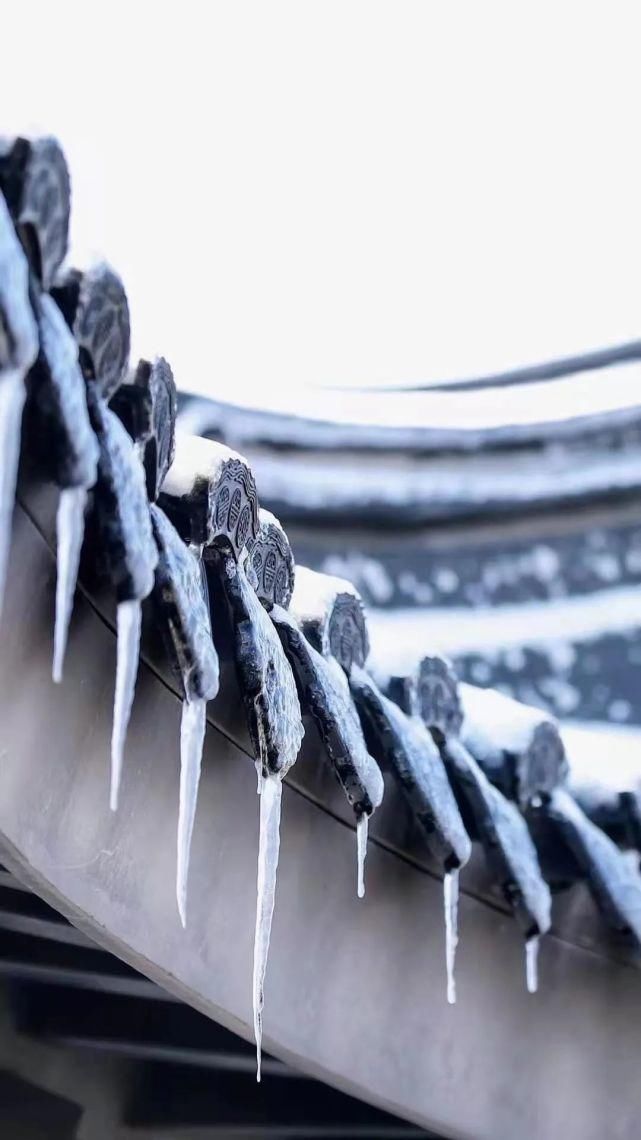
x=181, y=602
x=268, y=690
x=146, y=407
x=128, y=617
x=268, y=851
x=192, y=736
x=532, y=964
x=70, y=529
x=124, y=528
x=450, y=905
x=361, y=853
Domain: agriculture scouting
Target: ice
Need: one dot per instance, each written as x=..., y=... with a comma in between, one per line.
x=12, y=398
x=532, y=964
x=268, y=848
x=361, y=852
x=450, y=904
x=128, y=621
x=192, y=735
x=70, y=527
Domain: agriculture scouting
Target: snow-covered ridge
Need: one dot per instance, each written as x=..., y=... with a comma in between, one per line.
x=327, y=417
x=435, y=488
x=400, y=637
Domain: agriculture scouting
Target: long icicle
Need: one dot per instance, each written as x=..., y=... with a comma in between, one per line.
x=361, y=853
x=532, y=964
x=192, y=736
x=450, y=903
x=12, y=398
x=128, y=621
x=70, y=530
x=268, y=849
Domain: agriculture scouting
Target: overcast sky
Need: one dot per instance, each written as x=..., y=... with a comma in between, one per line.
x=342, y=192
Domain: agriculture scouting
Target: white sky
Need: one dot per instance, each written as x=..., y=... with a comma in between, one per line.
x=344, y=192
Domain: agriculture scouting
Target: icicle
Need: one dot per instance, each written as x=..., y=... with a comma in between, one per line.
x=128, y=619
x=192, y=736
x=361, y=852
x=450, y=902
x=268, y=847
x=12, y=397
x=532, y=964
x=259, y=777
x=70, y=528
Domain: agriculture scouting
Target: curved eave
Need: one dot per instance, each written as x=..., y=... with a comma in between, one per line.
x=355, y=990
x=408, y=458
x=497, y=413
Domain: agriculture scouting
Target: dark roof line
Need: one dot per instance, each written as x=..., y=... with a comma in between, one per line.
x=534, y=373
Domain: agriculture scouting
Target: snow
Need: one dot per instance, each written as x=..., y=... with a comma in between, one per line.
x=450, y=906
x=314, y=598
x=366, y=574
x=561, y=694
x=338, y=481
x=493, y=721
x=268, y=851
x=620, y=710
x=446, y=580
x=400, y=637
x=602, y=757
x=192, y=735
x=128, y=648
x=70, y=529
x=410, y=585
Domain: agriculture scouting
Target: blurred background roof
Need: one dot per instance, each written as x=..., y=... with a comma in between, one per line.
x=360, y=194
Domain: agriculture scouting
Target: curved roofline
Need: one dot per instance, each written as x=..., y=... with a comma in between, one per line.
x=554, y=402
x=530, y=374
